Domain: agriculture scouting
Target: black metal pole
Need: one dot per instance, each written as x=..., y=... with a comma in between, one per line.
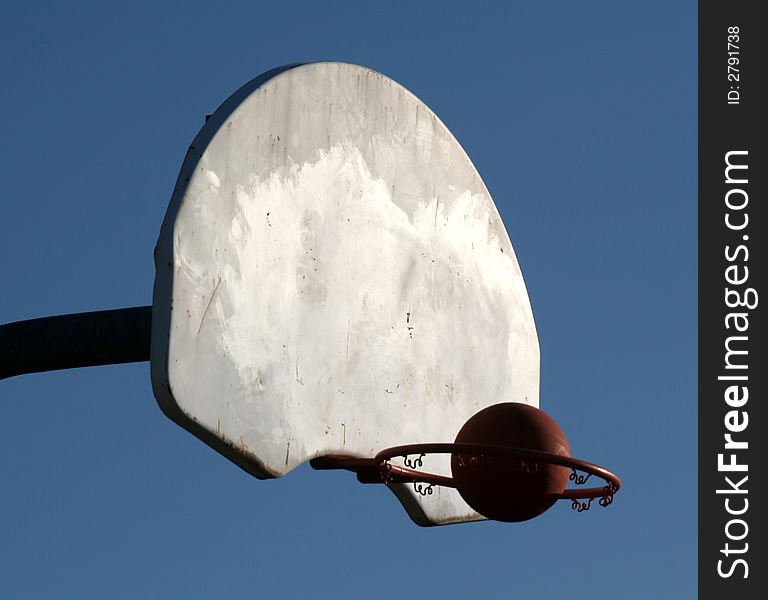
x=105, y=337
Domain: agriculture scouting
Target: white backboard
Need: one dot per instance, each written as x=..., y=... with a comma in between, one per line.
x=333, y=277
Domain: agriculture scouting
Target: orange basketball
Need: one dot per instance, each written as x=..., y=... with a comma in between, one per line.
x=510, y=488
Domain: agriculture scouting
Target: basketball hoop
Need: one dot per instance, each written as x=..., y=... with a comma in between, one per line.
x=381, y=469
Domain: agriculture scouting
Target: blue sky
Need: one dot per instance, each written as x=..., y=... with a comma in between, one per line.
x=581, y=119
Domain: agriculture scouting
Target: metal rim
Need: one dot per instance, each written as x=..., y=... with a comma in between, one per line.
x=380, y=469
x=613, y=482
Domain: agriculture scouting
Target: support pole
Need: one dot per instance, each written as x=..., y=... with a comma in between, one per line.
x=105, y=337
